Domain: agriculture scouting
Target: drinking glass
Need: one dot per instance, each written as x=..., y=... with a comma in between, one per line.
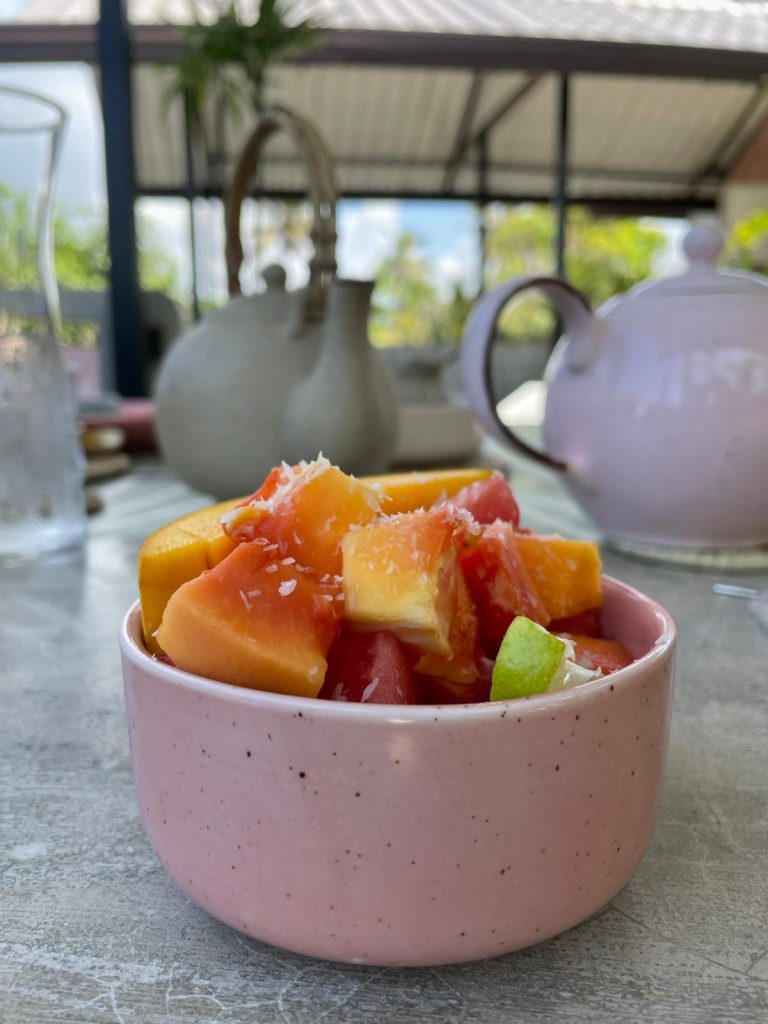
x=41, y=461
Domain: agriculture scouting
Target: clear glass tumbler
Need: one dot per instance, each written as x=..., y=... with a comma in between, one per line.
x=41, y=462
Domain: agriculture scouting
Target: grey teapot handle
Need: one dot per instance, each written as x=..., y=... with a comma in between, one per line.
x=322, y=192
x=479, y=334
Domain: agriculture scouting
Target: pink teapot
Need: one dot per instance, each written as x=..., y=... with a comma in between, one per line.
x=657, y=405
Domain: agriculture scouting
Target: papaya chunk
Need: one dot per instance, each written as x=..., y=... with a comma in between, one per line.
x=254, y=621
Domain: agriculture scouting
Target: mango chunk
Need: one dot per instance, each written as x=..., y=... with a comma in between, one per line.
x=256, y=621
x=174, y=554
x=406, y=492
x=461, y=666
x=565, y=572
x=401, y=574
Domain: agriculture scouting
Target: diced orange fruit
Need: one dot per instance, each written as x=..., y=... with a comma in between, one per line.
x=400, y=574
x=181, y=550
x=406, y=492
x=437, y=690
x=174, y=554
x=254, y=621
x=307, y=513
x=565, y=572
x=461, y=665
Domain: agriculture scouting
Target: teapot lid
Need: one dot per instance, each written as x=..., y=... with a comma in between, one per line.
x=702, y=245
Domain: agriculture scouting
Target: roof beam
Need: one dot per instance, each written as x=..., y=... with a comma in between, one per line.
x=162, y=43
x=40, y=43
x=463, y=130
x=505, y=107
x=627, y=204
x=565, y=56
x=671, y=178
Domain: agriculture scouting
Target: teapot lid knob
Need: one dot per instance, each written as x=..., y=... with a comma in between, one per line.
x=702, y=245
x=274, y=277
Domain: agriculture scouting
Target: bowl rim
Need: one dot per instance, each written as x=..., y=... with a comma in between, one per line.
x=133, y=651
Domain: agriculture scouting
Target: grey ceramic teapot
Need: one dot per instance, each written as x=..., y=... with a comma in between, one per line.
x=221, y=391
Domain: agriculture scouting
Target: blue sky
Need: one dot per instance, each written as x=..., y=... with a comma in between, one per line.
x=10, y=9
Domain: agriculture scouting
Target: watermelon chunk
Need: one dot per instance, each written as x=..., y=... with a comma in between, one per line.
x=586, y=623
x=369, y=668
x=500, y=585
x=488, y=500
x=595, y=653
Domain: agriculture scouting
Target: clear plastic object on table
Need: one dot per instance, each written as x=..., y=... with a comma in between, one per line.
x=758, y=599
x=42, y=507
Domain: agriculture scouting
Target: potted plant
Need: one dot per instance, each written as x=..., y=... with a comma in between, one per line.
x=225, y=63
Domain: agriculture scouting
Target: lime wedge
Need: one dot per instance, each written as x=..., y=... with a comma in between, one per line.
x=528, y=660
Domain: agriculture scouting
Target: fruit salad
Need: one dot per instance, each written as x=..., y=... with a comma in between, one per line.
x=415, y=588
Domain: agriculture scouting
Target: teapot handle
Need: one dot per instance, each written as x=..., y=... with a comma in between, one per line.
x=322, y=192
x=479, y=332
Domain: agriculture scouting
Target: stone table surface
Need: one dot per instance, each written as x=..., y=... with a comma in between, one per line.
x=92, y=930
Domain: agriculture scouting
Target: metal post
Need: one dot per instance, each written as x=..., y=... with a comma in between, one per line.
x=191, y=191
x=482, y=196
x=115, y=64
x=561, y=199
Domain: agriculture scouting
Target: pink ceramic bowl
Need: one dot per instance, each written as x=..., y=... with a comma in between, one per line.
x=398, y=835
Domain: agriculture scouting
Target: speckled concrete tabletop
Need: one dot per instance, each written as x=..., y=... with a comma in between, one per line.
x=92, y=930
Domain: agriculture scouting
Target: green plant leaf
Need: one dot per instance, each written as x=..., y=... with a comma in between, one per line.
x=210, y=49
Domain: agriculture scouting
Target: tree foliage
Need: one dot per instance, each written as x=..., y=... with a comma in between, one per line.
x=747, y=245
x=604, y=256
x=80, y=257
x=405, y=300
x=222, y=43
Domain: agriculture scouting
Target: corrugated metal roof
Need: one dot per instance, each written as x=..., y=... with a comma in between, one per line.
x=726, y=24
x=392, y=131
x=660, y=125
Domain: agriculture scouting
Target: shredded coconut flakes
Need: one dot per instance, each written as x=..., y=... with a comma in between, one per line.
x=369, y=690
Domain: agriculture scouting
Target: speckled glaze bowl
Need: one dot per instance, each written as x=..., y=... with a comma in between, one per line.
x=397, y=835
